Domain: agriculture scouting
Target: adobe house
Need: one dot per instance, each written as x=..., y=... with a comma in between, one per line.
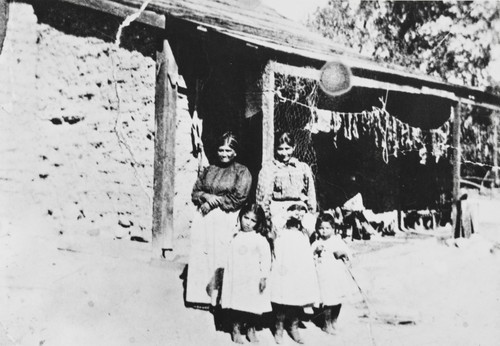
x=248, y=69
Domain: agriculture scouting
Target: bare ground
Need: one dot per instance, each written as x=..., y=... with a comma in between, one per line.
x=77, y=289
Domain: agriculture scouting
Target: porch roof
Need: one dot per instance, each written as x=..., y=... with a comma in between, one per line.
x=261, y=26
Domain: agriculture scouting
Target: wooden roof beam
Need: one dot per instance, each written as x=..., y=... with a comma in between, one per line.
x=314, y=74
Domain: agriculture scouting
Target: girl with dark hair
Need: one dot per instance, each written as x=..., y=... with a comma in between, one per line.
x=330, y=252
x=285, y=181
x=244, y=288
x=293, y=278
x=219, y=193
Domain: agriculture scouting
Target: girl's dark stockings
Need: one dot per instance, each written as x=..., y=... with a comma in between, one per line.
x=289, y=314
x=330, y=314
x=243, y=320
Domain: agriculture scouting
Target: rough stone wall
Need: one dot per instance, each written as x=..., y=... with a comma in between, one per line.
x=86, y=110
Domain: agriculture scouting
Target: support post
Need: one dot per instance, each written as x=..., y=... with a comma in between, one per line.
x=268, y=113
x=4, y=17
x=496, y=181
x=456, y=163
x=164, y=156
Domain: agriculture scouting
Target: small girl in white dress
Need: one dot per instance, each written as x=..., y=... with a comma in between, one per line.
x=293, y=278
x=244, y=286
x=330, y=252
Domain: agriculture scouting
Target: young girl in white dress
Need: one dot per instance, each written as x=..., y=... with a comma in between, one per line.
x=330, y=252
x=293, y=280
x=244, y=286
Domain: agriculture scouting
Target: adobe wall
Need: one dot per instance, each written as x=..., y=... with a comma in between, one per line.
x=77, y=119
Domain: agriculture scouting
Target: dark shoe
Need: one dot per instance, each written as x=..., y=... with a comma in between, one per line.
x=236, y=334
x=251, y=336
x=294, y=331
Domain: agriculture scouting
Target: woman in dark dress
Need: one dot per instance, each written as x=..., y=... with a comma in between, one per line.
x=219, y=193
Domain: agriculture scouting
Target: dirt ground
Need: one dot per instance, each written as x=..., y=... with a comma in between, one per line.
x=84, y=290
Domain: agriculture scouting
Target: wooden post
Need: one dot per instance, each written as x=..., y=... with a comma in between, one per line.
x=456, y=158
x=4, y=17
x=164, y=157
x=268, y=113
x=496, y=180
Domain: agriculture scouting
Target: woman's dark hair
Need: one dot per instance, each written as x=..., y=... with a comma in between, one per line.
x=297, y=206
x=229, y=139
x=292, y=222
x=325, y=217
x=260, y=226
x=284, y=138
